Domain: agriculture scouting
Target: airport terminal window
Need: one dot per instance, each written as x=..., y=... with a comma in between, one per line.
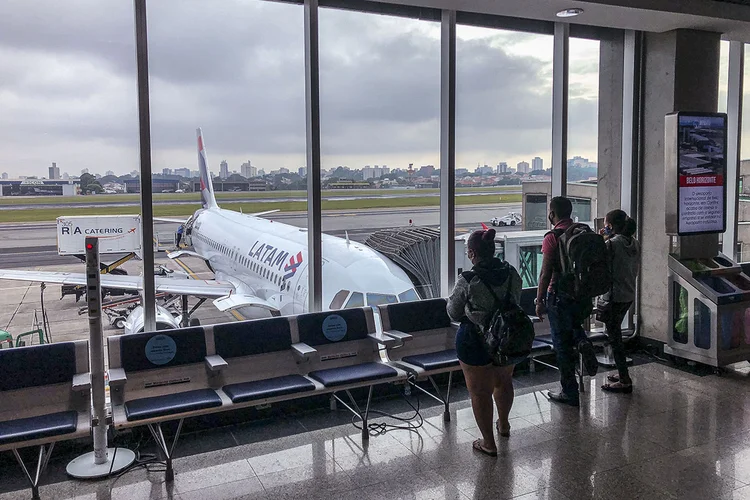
x=356, y=300
x=581, y=209
x=583, y=112
x=530, y=264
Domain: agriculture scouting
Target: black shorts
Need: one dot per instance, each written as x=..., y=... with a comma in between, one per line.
x=469, y=346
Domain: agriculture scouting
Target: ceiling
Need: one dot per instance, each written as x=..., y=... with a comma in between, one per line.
x=729, y=17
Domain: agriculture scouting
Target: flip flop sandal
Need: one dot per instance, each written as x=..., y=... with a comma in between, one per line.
x=613, y=378
x=625, y=389
x=503, y=432
x=477, y=445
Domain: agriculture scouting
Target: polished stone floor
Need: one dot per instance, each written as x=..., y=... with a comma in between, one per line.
x=679, y=435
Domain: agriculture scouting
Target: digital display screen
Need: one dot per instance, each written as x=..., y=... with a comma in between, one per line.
x=701, y=141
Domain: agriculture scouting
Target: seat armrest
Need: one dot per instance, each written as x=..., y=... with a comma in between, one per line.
x=535, y=319
x=455, y=324
x=385, y=340
x=398, y=335
x=215, y=363
x=117, y=377
x=302, y=351
x=82, y=381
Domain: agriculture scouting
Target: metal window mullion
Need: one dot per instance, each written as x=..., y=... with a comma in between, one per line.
x=447, y=152
x=144, y=128
x=560, y=109
x=628, y=111
x=734, y=130
x=312, y=108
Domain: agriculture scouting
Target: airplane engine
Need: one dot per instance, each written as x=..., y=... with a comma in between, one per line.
x=164, y=320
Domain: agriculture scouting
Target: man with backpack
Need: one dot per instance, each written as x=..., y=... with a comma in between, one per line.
x=575, y=269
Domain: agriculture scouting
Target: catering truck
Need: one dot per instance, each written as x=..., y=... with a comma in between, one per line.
x=117, y=233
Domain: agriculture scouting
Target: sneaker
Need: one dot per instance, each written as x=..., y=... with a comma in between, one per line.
x=586, y=350
x=561, y=397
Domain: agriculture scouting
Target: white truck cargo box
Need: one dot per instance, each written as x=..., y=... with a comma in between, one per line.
x=116, y=233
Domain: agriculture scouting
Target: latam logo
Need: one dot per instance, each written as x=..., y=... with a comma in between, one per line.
x=291, y=268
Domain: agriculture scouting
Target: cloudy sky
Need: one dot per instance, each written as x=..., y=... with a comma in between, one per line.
x=68, y=89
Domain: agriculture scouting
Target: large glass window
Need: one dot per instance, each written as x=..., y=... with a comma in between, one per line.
x=742, y=253
x=244, y=85
x=380, y=142
x=583, y=110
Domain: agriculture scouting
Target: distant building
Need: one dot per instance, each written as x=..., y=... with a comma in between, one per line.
x=579, y=161
x=5, y=175
x=223, y=169
x=426, y=170
x=54, y=171
x=283, y=170
x=537, y=164
x=85, y=171
x=485, y=170
x=502, y=168
x=166, y=171
x=247, y=170
x=65, y=176
x=135, y=173
x=302, y=171
x=182, y=172
x=375, y=172
x=522, y=167
x=462, y=171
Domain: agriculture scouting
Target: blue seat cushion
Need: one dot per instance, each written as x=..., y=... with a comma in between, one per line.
x=355, y=374
x=25, y=429
x=171, y=404
x=547, y=339
x=433, y=360
x=268, y=388
x=538, y=346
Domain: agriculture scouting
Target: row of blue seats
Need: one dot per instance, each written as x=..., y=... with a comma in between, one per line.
x=176, y=374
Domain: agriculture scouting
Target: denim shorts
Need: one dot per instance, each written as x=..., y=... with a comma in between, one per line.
x=469, y=346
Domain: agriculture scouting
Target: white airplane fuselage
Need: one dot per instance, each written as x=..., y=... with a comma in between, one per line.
x=268, y=260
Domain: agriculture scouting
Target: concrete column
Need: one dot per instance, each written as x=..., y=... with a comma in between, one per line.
x=681, y=72
x=611, y=53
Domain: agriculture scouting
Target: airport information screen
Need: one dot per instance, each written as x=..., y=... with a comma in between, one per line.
x=701, y=173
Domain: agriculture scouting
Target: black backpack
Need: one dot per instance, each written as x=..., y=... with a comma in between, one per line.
x=584, y=271
x=509, y=333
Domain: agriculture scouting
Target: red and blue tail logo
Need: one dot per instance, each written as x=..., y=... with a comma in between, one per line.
x=291, y=268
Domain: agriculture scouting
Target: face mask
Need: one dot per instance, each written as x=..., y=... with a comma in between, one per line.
x=608, y=230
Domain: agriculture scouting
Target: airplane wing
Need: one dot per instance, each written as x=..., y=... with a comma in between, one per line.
x=199, y=288
x=167, y=219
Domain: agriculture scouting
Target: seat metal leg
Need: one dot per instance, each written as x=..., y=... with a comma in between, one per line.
x=167, y=451
x=41, y=465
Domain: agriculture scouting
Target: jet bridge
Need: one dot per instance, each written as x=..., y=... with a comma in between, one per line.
x=417, y=251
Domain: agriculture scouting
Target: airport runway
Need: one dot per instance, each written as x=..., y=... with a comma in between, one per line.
x=35, y=244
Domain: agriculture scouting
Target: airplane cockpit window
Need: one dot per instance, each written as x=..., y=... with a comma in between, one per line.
x=356, y=300
x=377, y=299
x=338, y=299
x=408, y=296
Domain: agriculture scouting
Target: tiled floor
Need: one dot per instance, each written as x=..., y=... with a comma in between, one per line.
x=678, y=435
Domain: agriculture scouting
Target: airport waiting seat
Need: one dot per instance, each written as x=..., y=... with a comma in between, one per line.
x=425, y=343
x=45, y=394
x=341, y=351
x=260, y=365
x=160, y=376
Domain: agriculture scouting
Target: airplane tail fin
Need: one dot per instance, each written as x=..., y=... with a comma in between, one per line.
x=207, y=189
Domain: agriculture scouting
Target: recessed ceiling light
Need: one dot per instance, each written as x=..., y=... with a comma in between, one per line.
x=570, y=12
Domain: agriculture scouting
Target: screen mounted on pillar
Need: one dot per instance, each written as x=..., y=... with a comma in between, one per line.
x=701, y=172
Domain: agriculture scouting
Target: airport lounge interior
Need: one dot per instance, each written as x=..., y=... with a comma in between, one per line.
x=308, y=345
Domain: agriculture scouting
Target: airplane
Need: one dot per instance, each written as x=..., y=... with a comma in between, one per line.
x=260, y=264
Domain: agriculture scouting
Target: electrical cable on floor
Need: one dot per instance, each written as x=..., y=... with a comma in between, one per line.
x=147, y=461
x=380, y=428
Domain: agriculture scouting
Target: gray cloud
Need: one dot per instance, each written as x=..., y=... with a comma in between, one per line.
x=69, y=94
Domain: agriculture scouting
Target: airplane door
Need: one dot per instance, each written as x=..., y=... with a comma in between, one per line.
x=300, y=291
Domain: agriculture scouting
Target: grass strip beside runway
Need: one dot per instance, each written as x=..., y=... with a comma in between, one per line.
x=105, y=199
x=50, y=214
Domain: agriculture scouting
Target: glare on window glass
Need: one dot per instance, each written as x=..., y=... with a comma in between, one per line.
x=408, y=296
x=376, y=299
x=356, y=300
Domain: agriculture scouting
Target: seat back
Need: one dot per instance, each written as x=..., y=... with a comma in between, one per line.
x=38, y=379
x=426, y=321
x=155, y=363
x=255, y=350
x=340, y=337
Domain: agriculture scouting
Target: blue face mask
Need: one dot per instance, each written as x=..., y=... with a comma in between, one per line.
x=608, y=230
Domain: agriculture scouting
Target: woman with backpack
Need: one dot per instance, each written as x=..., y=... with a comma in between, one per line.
x=625, y=255
x=475, y=298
